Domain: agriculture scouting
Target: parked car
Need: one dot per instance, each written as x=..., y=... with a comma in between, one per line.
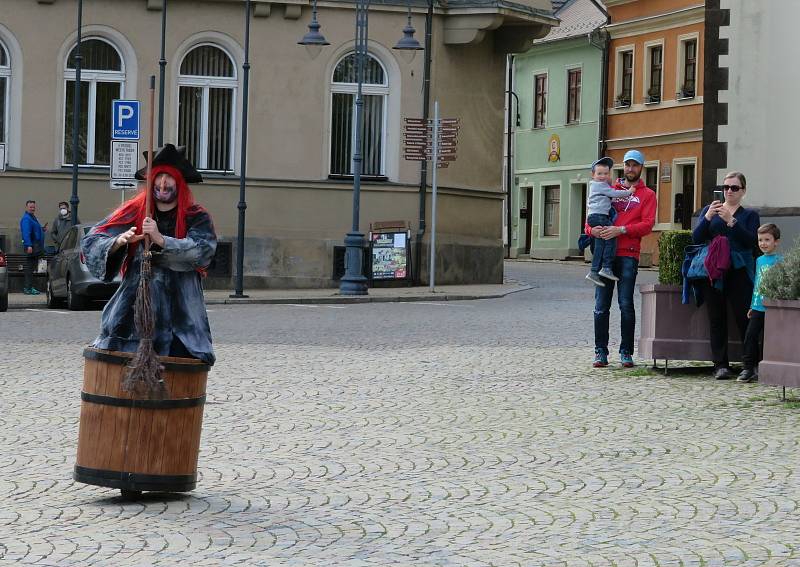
x=3, y=282
x=68, y=278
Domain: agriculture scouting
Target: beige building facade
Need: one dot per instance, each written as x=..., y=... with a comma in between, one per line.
x=299, y=176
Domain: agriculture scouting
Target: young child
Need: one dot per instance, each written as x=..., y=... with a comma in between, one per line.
x=598, y=213
x=769, y=236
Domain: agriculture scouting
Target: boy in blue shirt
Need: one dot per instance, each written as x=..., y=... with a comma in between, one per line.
x=769, y=236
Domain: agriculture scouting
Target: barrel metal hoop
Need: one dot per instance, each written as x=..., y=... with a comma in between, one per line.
x=92, y=354
x=143, y=404
x=135, y=481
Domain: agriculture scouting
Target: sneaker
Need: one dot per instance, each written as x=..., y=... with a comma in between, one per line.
x=600, y=358
x=722, y=373
x=747, y=375
x=626, y=359
x=608, y=274
x=26, y=291
x=34, y=291
x=595, y=279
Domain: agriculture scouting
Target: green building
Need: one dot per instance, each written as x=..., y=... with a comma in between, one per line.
x=559, y=82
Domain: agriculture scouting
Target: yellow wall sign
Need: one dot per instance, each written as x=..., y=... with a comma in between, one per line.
x=555, y=148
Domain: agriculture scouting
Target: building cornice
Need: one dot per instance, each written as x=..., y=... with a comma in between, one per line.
x=658, y=22
x=686, y=136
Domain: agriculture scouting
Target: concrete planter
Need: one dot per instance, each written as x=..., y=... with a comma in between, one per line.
x=671, y=330
x=781, y=363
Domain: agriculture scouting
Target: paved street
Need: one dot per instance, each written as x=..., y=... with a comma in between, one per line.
x=431, y=433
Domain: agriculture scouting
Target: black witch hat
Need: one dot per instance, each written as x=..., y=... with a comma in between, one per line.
x=176, y=157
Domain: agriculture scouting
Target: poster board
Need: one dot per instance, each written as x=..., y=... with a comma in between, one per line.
x=390, y=254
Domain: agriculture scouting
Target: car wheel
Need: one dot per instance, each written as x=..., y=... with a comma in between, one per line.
x=52, y=300
x=75, y=302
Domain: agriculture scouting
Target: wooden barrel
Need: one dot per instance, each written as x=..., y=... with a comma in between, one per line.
x=136, y=444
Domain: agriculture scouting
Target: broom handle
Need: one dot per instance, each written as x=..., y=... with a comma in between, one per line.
x=149, y=195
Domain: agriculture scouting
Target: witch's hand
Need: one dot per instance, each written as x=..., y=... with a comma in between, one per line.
x=127, y=237
x=150, y=228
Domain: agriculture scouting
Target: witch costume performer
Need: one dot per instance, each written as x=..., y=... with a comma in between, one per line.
x=183, y=245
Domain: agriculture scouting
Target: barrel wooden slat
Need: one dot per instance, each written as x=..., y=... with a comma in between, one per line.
x=140, y=448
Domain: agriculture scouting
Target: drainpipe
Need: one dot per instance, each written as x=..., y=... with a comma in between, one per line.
x=509, y=157
x=604, y=38
x=423, y=174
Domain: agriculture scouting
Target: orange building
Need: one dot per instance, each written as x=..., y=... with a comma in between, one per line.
x=655, y=102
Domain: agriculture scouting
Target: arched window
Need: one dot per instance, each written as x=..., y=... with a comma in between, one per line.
x=102, y=80
x=206, y=100
x=5, y=79
x=375, y=89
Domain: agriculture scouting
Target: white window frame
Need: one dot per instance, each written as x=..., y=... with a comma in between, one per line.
x=618, y=52
x=543, y=186
x=92, y=77
x=657, y=189
x=677, y=182
x=366, y=89
x=575, y=67
x=546, y=74
x=681, y=64
x=648, y=70
x=207, y=83
x=5, y=73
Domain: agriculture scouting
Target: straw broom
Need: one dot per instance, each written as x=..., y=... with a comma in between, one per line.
x=143, y=374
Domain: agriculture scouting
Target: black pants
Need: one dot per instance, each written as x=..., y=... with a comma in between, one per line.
x=31, y=260
x=752, y=340
x=737, y=292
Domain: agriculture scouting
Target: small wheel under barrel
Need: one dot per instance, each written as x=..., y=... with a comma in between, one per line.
x=135, y=444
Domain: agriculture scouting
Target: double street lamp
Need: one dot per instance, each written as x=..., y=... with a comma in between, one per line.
x=353, y=282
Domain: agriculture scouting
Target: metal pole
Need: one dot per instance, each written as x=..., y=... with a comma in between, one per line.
x=434, y=166
x=76, y=118
x=509, y=162
x=243, y=167
x=423, y=175
x=353, y=282
x=162, y=64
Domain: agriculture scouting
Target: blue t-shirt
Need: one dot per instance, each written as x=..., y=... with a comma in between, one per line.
x=762, y=263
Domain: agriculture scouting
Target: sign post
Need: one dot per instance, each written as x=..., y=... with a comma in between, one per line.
x=125, y=134
x=432, y=140
x=2, y=157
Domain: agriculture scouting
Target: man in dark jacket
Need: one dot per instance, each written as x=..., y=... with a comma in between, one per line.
x=61, y=224
x=33, y=243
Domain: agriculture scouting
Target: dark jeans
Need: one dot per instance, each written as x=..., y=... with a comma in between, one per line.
x=604, y=250
x=31, y=260
x=751, y=355
x=737, y=292
x=626, y=269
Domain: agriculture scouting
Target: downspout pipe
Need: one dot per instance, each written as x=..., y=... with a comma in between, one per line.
x=509, y=155
x=423, y=173
x=603, y=35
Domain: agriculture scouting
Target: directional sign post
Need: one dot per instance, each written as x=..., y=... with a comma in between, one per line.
x=2, y=157
x=431, y=140
x=124, y=144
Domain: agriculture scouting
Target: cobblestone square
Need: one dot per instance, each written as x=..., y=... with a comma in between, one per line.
x=429, y=433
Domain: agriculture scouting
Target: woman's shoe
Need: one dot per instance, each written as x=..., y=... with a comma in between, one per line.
x=722, y=373
x=747, y=375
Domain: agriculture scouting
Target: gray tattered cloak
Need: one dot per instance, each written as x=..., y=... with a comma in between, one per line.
x=181, y=322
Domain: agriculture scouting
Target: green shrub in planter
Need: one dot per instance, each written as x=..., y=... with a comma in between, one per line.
x=782, y=281
x=671, y=250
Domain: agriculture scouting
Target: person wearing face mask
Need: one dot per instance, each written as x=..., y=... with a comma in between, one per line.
x=183, y=245
x=61, y=224
x=731, y=232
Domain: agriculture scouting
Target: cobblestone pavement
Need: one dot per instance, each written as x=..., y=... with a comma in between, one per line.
x=462, y=433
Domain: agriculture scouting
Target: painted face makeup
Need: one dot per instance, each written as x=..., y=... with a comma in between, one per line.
x=164, y=189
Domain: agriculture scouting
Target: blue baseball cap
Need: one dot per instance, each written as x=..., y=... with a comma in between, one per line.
x=607, y=161
x=635, y=155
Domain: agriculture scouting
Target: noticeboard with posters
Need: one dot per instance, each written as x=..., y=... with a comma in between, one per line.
x=390, y=254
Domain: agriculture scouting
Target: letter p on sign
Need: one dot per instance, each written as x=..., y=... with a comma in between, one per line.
x=126, y=119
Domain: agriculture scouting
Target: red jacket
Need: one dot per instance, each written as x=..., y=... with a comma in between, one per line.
x=637, y=214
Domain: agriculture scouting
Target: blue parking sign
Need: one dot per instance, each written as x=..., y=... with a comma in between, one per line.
x=125, y=114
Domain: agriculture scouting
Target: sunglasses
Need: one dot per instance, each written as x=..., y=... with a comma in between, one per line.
x=733, y=188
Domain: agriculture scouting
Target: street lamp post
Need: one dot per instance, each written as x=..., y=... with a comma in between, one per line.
x=239, y=291
x=162, y=64
x=353, y=282
x=76, y=118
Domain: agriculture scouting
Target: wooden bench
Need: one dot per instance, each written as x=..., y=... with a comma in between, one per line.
x=15, y=264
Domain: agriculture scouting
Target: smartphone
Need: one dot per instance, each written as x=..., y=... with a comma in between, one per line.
x=719, y=194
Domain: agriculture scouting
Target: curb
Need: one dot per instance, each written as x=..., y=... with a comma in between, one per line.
x=330, y=300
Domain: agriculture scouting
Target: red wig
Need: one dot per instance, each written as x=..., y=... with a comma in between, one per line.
x=132, y=213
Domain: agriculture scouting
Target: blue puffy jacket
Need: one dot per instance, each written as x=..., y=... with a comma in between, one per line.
x=32, y=232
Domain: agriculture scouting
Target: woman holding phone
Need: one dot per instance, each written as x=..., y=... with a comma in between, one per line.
x=730, y=230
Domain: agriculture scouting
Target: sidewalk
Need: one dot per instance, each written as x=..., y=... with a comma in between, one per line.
x=311, y=296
